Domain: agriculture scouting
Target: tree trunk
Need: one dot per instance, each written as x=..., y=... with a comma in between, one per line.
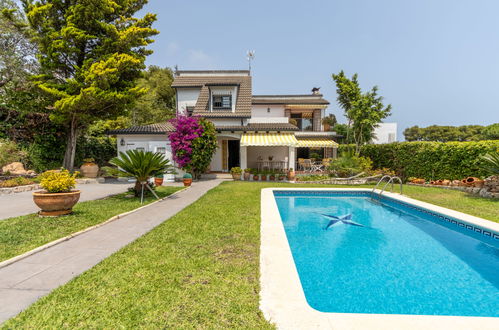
x=69, y=155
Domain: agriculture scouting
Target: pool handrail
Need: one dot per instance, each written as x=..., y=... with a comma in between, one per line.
x=390, y=180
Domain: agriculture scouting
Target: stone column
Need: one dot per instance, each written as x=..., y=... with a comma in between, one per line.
x=243, y=158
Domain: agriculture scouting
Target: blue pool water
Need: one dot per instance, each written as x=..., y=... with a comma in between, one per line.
x=388, y=258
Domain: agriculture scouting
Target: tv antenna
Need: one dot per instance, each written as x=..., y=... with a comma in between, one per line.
x=250, y=55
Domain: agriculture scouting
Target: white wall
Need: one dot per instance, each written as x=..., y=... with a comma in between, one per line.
x=279, y=153
x=226, y=122
x=260, y=111
x=385, y=133
x=216, y=161
x=186, y=97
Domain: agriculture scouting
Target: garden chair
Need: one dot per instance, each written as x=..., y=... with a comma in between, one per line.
x=307, y=165
x=300, y=163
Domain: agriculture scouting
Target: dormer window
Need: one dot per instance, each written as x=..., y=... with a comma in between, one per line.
x=222, y=102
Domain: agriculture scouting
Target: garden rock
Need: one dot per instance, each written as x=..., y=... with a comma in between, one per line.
x=15, y=168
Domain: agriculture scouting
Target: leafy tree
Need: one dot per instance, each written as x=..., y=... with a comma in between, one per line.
x=158, y=104
x=363, y=110
x=203, y=148
x=91, y=53
x=448, y=133
x=491, y=132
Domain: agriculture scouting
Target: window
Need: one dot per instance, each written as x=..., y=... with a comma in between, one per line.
x=161, y=150
x=189, y=110
x=222, y=102
x=303, y=121
x=140, y=149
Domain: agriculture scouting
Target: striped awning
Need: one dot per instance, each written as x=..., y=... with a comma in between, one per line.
x=269, y=139
x=316, y=143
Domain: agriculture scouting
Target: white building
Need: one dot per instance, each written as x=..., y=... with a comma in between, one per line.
x=254, y=131
x=385, y=133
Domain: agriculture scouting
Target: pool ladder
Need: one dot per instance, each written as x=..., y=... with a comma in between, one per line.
x=390, y=180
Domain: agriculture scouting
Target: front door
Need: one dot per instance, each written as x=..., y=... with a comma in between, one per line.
x=233, y=158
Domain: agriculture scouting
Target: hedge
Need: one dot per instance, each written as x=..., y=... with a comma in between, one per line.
x=430, y=160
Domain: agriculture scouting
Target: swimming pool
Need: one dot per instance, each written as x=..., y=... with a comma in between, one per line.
x=356, y=255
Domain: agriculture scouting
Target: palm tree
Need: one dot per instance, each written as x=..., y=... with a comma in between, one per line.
x=490, y=163
x=141, y=165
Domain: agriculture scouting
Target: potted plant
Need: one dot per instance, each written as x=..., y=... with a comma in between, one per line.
x=256, y=175
x=329, y=122
x=187, y=179
x=89, y=169
x=264, y=176
x=272, y=176
x=158, y=179
x=247, y=173
x=236, y=173
x=281, y=176
x=58, y=196
x=291, y=175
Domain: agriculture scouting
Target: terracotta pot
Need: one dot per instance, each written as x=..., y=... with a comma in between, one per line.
x=187, y=182
x=264, y=178
x=291, y=175
x=272, y=178
x=246, y=176
x=433, y=182
x=158, y=181
x=236, y=176
x=89, y=170
x=446, y=182
x=471, y=181
x=456, y=183
x=54, y=204
x=418, y=181
x=256, y=177
x=281, y=178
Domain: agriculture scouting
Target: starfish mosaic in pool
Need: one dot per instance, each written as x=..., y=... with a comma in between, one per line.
x=345, y=219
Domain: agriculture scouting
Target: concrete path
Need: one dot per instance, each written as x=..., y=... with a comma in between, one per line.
x=14, y=205
x=25, y=281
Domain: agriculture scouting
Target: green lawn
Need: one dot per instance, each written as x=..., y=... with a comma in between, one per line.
x=200, y=269
x=24, y=233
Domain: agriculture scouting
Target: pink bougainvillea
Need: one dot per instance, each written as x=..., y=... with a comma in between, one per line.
x=186, y=130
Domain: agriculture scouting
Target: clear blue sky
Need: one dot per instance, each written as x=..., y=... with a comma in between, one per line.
x=435, y=61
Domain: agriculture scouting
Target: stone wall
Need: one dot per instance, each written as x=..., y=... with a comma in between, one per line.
x=490, y=188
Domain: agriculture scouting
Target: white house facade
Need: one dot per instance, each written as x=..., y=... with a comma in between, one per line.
x=253, y=131
x=385, y=133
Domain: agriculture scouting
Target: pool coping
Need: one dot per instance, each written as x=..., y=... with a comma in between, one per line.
x=283, y=301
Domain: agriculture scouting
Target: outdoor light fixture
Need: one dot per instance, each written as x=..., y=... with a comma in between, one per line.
x=122, y=142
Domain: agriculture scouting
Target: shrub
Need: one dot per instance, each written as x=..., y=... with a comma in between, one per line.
x=187, y=176
x=490, y=163
x=430, y=160
x=10, y=152
x=348, y=165
x=19, y=181
x=58, y=181
x=236, y=170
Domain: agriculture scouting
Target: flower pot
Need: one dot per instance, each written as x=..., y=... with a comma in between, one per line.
x=187, y=182
x=264, y=178
x=89, y=170
x=236, y=176
x=272, y=178
x=256, y=177
x=291, y=175
x=246, y=176
x=158, y=181
x=281, y=178
x=54, y=204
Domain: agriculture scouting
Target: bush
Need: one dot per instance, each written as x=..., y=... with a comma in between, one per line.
x=236, y=170
x=58, y=181
x=10, y=152
x=19, y=181
x=101, y=149
x=348, y=165
x=430, y=160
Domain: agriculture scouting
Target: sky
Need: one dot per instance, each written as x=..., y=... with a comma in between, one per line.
x=435, y=61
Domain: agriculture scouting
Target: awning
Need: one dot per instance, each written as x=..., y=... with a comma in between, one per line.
x=269, y=139
x=316, y=143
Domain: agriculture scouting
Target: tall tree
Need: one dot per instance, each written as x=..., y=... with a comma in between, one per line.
x=158, y=104
x=447, y=133
x=91, y=53
x=364, y=111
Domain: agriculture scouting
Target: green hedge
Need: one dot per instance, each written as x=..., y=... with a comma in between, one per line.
x=430, y=160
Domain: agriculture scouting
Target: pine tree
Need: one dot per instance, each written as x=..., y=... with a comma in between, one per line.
x=91, y=52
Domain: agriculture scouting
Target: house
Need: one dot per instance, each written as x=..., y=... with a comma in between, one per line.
x=385, y=133
x=253, y=131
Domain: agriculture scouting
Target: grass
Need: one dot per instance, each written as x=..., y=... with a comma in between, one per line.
x=24, y=233
x=199, y=269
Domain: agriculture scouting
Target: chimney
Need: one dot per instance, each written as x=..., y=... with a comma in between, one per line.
x=315, y=91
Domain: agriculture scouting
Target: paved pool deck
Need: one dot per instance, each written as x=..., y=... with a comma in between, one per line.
x=27, y=280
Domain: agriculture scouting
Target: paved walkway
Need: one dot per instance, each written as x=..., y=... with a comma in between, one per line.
x=25, y=281
x=14, y=205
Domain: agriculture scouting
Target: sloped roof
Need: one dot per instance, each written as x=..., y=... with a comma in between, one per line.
x=204, y=80
x=258, y=127
x=311, y=99
x=160, y=128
